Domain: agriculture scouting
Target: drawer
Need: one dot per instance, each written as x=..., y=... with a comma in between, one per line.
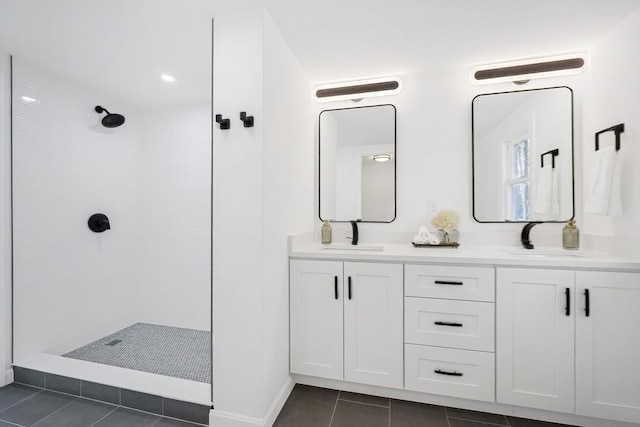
x=449, y=323
x=450, y=372
x=449, y=282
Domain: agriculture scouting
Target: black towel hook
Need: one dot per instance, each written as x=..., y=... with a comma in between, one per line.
x=224, y=123
x=247, y=120
x=618, y=129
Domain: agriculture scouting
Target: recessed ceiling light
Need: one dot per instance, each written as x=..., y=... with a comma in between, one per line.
x=382, y=157
x=168, y=78
x=29, y=100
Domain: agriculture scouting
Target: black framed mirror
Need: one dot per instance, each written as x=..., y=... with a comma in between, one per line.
x=522, y=156
x=357, y=169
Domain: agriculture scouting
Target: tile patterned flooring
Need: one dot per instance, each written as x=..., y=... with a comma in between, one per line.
x=25, y=406
x=319, y=407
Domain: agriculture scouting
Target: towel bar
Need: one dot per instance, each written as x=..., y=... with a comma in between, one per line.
x=618, y=129
x=553, y=153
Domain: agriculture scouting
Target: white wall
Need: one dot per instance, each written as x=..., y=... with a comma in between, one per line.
x=263, y=191
x=434, y=153
x=175, y=259
x=5, y=219
x=68, y=280
x=614, y=97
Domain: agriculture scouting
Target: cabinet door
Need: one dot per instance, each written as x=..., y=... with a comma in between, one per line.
x=316, y=318
x=373, y=324
x=608, y=346
x=535, y=338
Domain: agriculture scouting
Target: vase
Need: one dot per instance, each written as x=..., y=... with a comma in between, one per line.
x=448, y=236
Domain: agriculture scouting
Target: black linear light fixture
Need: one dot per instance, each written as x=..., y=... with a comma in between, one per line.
x=521, y=71
x=357, y=89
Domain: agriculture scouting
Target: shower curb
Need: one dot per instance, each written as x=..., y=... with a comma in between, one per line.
x=150, y=403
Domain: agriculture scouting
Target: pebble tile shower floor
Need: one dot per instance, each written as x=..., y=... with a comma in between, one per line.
x=164, y=350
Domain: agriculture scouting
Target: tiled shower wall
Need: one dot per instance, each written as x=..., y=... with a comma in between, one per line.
x=70, y=282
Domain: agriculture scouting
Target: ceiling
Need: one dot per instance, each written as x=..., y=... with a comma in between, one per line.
x=122, y=46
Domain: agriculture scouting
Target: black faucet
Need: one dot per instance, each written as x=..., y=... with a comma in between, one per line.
x=354, y=230
x=524, y=237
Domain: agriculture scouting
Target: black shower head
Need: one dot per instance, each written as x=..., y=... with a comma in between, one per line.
x=111, y=120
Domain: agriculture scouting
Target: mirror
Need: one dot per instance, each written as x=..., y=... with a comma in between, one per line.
x=522, y=144
x=358, y=164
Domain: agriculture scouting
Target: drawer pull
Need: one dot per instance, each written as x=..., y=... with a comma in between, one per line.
x=447, y=282
x=335, y=287
x=567, y=307
x=453, y=374
x=457, y=325
x=349, y=287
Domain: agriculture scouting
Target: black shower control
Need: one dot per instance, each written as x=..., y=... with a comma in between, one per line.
x=99, y=223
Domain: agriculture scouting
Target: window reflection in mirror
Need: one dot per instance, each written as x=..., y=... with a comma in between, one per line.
x=516, y=178
x=358, y=164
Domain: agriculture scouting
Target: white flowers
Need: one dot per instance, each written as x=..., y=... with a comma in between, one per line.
x=446, y=220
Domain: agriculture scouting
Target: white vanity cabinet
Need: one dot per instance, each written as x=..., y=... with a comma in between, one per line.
x=346, y=321
x=608, y=345
x=552, y=355
x=449, y=330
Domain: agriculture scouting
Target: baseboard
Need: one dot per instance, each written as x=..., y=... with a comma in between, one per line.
x=278, y=402
x=219, y=418
x=228, y=419
x=7, y=377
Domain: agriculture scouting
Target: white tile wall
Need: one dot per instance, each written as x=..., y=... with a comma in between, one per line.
x=151, y=177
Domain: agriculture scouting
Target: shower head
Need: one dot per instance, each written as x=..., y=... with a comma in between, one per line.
x=111, y=120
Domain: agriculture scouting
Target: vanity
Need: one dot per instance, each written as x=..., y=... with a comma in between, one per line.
x=549, y=334
x=542, y=333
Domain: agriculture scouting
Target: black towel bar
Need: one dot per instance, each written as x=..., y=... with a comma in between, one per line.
x=553, y=153
x=618, y=129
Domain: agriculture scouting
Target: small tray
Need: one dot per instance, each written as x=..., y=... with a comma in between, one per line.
x=441, y=245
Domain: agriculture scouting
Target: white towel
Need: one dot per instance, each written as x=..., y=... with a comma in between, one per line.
x=604, y=192
x=547, y=193
x=424, y=237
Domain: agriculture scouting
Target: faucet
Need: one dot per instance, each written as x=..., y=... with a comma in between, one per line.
x=354, y=230
x=524, y=237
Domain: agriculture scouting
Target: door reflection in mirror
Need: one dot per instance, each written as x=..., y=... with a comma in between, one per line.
x=358, y=164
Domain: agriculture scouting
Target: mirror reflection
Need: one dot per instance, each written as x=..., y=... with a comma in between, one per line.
x=523, y=156
x=358, y=164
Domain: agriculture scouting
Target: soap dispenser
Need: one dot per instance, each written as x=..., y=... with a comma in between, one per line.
x=570, y=236
x=326, y=232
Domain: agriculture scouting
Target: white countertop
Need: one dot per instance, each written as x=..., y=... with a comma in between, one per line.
x=478, y=255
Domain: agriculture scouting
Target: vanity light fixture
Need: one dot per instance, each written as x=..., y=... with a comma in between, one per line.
x=356, y=90
x=168, y=78
x=522, y=71
x=381, y=157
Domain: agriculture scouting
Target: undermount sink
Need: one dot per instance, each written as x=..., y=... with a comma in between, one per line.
x=543, y=253
x=350, y=247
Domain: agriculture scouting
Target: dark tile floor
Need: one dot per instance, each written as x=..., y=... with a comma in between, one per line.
x=319, y=407
x=26, y=406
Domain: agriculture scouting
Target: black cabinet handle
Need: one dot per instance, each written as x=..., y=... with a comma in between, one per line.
x=587, y=308
x=335, y=287
x=457, y=325
x=446, y=282
x=567, y=307
x=453, y=374
x=349, y=287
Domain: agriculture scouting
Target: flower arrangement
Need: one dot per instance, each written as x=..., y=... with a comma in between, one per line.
x=446, y=220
